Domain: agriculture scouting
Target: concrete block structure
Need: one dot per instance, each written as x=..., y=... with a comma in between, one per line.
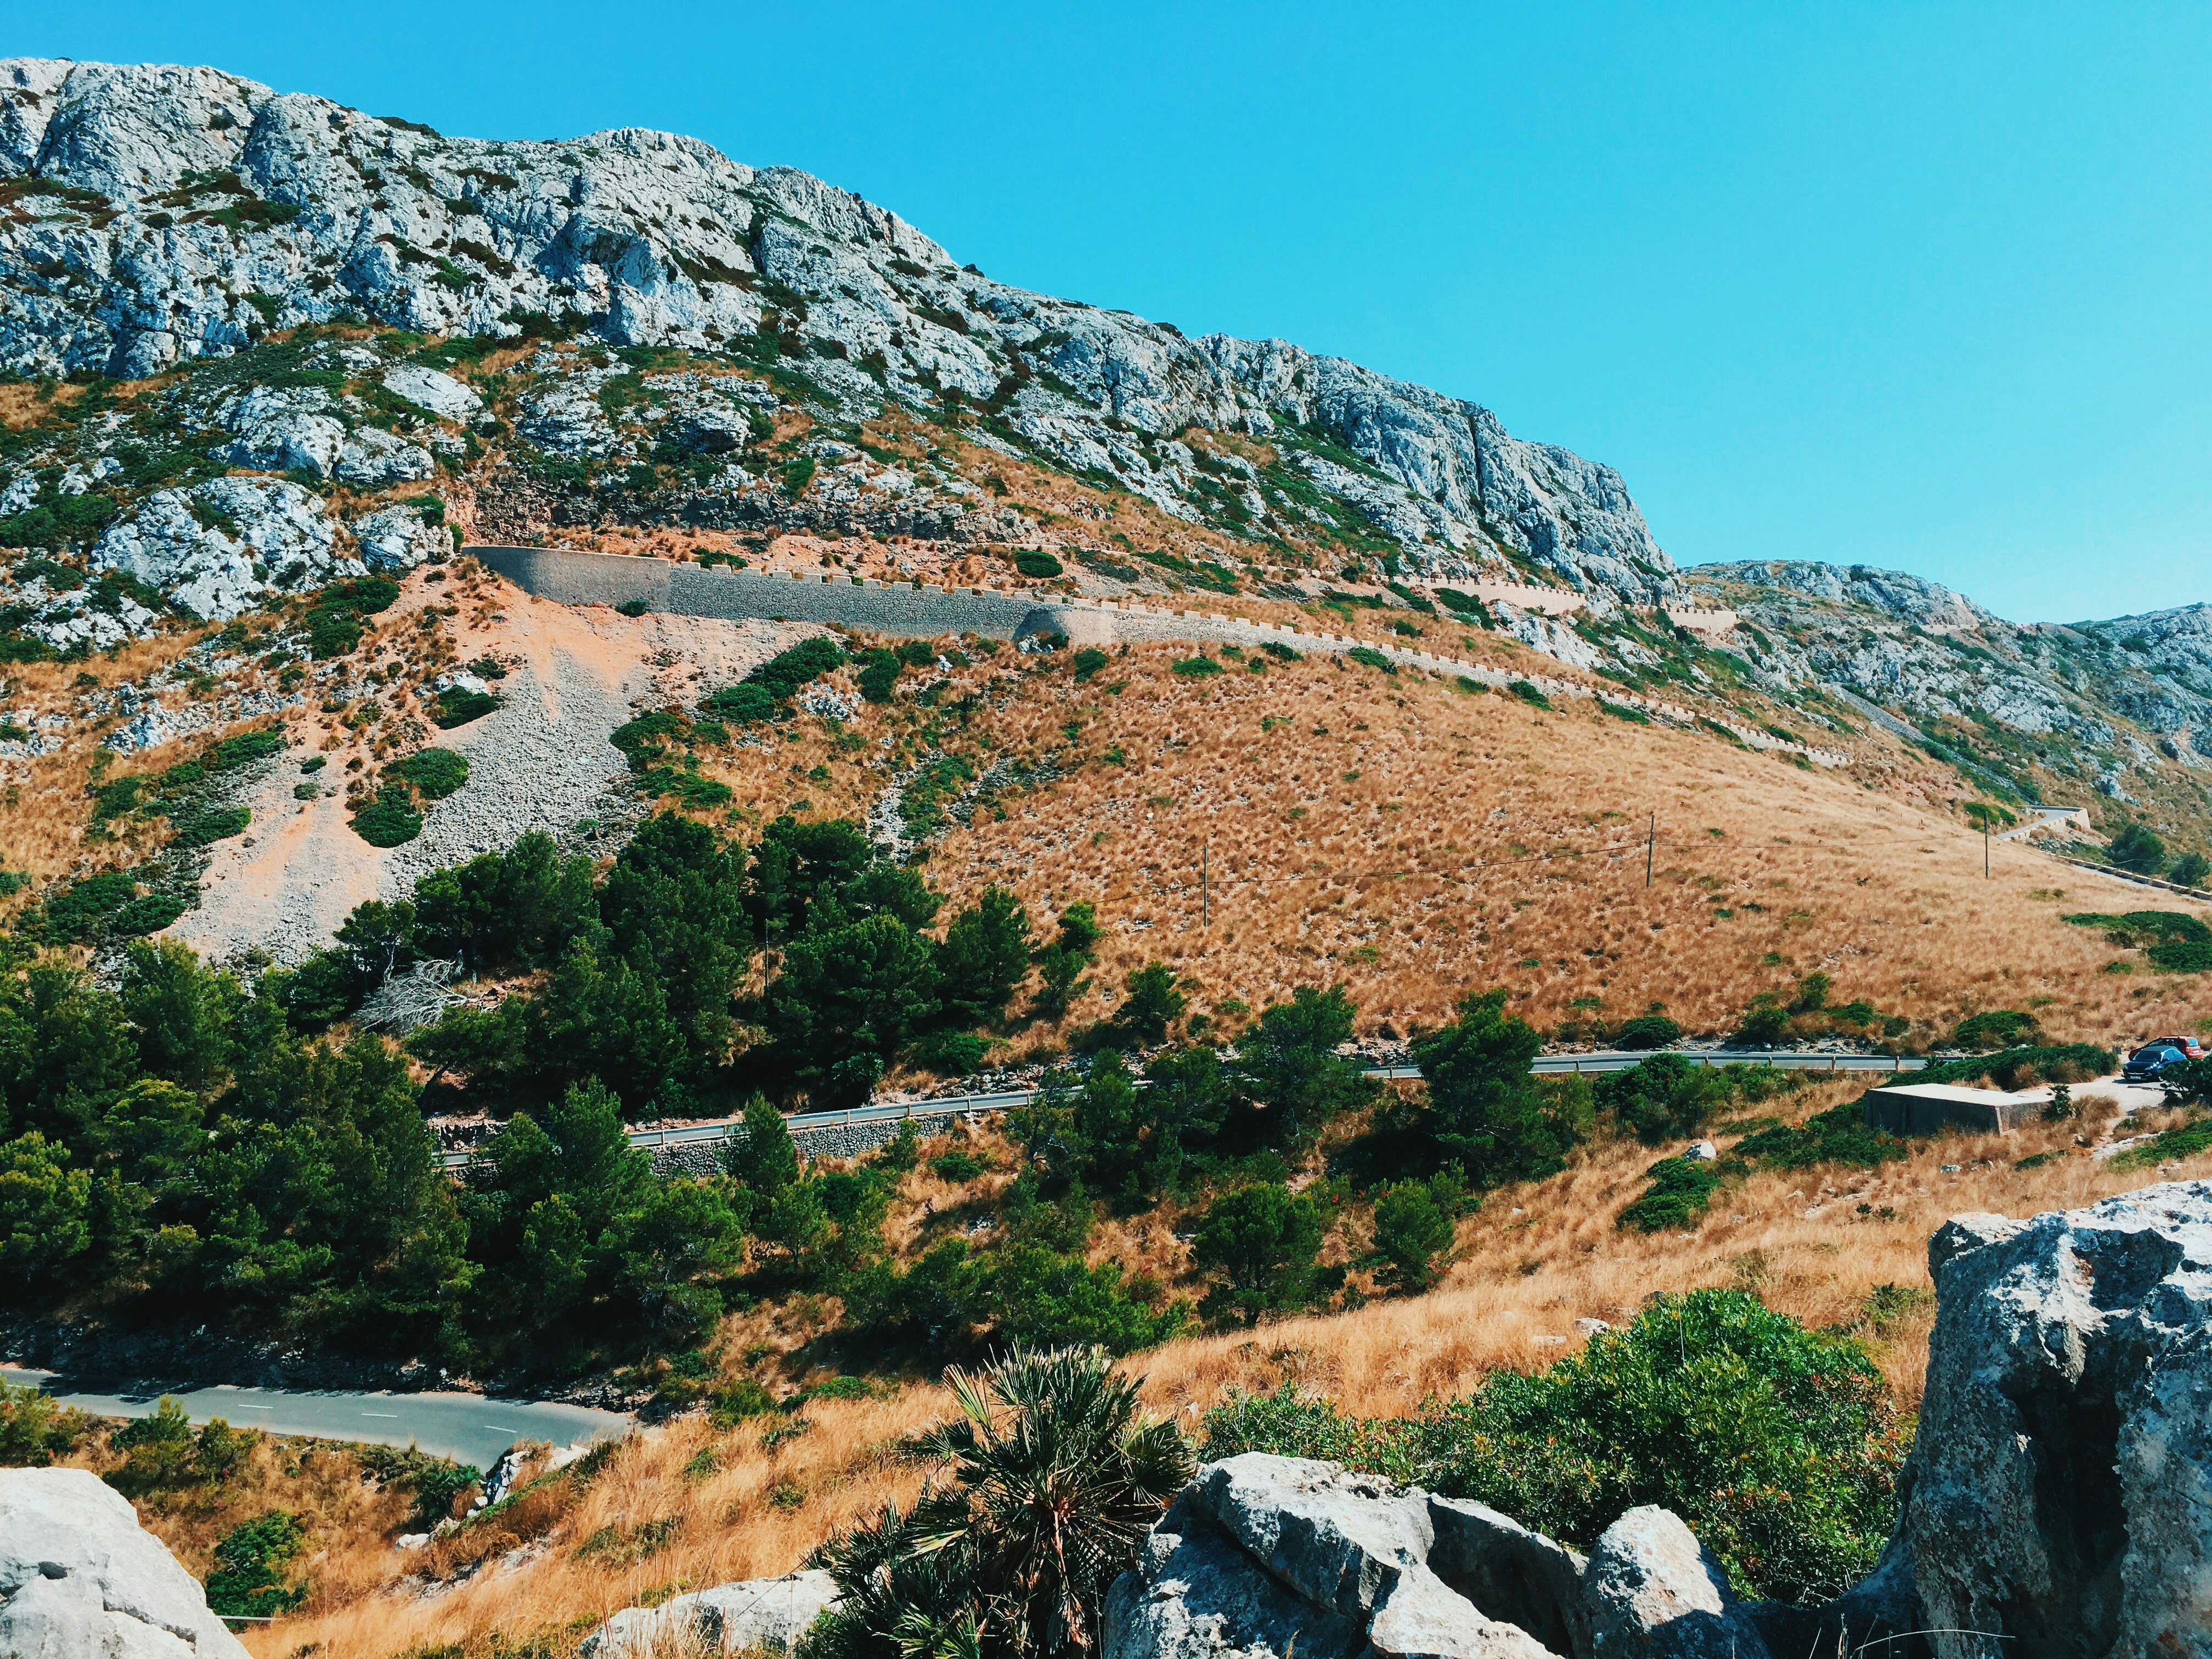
x=1924, y=1108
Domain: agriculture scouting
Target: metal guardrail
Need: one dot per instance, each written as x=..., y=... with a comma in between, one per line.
x=892, y=1111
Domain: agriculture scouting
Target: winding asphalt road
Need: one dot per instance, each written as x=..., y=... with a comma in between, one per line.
x=1611, y=1060
x=468, y=1427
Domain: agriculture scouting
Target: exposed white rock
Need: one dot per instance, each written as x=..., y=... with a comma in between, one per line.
x=441, y=394
x=218, y=549
x=1264, y=1555
x=398, y=538
x=666, y=242
x=1650, y=1588
x=770, y=1614
x=2060, y=1485
x=81, y=1579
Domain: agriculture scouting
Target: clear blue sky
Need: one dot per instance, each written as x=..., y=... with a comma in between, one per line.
x=1919, y=286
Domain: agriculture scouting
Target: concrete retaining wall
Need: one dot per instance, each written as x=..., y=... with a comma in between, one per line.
x=690, y=590
x=579, y=577
x=704, y=1157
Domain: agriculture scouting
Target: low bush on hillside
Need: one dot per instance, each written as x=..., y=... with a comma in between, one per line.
x=434, y=772
x=1194, y=668
x=1528, y=694
x=388, y=818
x=457, y=706
x=1994, y=1028
x=1037, y=564
x=1779, y=1445
x=1647, y=1031
x=2172, y=939
x=1369, y=657
x=2022, y=1066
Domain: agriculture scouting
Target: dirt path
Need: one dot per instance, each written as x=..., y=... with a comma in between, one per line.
x=542, y=761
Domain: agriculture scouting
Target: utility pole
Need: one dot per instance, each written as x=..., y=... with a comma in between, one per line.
x=1985, y=847
x=1204, y=888
x=1650, y=842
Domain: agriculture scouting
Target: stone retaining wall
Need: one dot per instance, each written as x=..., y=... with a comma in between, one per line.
x=704, y=1157
x=690, y=590
x=579, y=577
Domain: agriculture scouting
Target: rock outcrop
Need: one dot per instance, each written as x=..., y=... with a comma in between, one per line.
x=2059, y=1492
x=1263, y=1556
x=182, y=212
x=770, y=1614
x=81, y=1579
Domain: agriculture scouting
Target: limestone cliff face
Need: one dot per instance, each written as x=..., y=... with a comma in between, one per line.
x=2100, y=700
x=159, y=213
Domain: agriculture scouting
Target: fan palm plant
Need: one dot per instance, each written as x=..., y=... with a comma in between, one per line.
x=1054, y=1475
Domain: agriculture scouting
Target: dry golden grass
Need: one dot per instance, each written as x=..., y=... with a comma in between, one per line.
x=348, y=1521
x=1535, y=1257
x=1412, y=844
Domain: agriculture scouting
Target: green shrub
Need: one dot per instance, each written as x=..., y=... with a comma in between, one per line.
x=456, y=706
x=438, y=1485
x=1529, y=694
x=389, y=818
x=1035, y=563
x=1621, y=711
x=1647, y=1031
x=1197, y=667
x=1089, y=660
x=2190, y=870
x=248, y=1581
x=1838, y=1135
x=2136, y=848
x=2071, y=1062
x=1777, y=1445
x=1291, y=1423
x=435, y=773
x=211, y=824
x=783, y=675
x=147, y=914
x=1994, y=1028
x=2168, y=1147
x=1372, y=658
x=81, y=910
x=2181, y=955
x=33, y=1430
x=741, y=705
x=332, y=632
x=730, y=1405
x=1280, y=651
x=634, y=607
x=1764, y=1023
x=1681, y=1190
x=957, y=1167
x=879, y=676
x=1668, y=1094
x=1472, y=688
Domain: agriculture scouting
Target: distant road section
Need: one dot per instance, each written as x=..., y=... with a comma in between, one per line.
x=709, y=1132
x=468, y=1427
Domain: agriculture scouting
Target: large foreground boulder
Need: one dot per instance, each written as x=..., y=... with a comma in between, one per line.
x=2059, y=1492
x=81, y=1579
x=756, y=1614
x=1265, y=1557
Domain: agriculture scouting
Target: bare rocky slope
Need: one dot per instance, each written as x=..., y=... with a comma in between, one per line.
x=312, y=344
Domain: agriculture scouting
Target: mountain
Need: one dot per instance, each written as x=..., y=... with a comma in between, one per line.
x=2124, y=706
x=310, y=343
x=157, y=215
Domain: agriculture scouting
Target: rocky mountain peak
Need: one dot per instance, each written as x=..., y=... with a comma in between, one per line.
x=160, y=214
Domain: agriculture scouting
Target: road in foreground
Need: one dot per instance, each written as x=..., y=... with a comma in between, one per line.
x=469, y=1427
